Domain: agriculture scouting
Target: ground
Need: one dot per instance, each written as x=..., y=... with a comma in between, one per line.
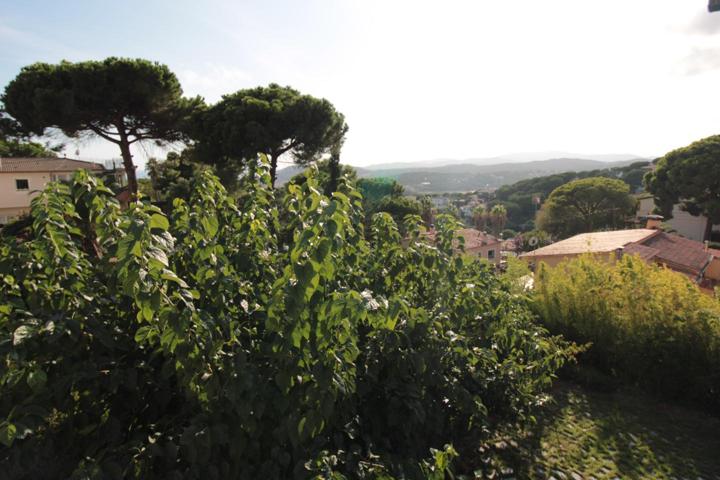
x=586, y=435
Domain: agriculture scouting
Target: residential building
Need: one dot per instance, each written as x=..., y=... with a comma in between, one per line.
x=689, y=257
x=22, y=179
x=690, y=226
x=476, y=243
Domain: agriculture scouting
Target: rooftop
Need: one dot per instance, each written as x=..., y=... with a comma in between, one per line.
x=595, y=242
x=45, y=164
x=678, y=252
x=473, y=238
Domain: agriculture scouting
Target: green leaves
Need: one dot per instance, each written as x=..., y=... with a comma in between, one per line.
x=220, y=343
x=8, y=432
x=158, y=221
x=36, y=380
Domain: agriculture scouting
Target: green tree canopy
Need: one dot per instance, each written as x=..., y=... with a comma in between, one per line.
x=121, y=100
x=15, y=143
x=273, y=120
x=324, y=175
x=375, y=188
x=175, y=176
x=689, y=176
x=586, y=205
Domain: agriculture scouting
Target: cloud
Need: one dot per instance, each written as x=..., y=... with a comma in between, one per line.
x=213, y=81
x=701, y=60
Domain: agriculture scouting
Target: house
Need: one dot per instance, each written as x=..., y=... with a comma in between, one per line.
x=690, y=226
x=478, y=244
x=689, y=257
x=21, y=179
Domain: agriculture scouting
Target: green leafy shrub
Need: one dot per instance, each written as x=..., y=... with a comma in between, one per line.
x=205, y=346
x=648, y=326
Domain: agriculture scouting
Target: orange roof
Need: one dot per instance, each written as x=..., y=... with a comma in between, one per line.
x=473, y=238
x=595, y=242
x=45, y=164
x=678, y=252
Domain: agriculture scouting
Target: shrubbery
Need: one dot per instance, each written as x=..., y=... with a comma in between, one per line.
x=205, y=345
x=647, y=325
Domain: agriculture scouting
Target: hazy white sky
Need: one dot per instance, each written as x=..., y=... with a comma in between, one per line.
x=419, y=80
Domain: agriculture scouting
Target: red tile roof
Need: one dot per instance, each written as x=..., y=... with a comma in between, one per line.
x=46, y=164
x=473, y=238
x=646, y=253
x=678, y=252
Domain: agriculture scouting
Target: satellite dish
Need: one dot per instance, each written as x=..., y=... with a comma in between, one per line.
x=533, y=241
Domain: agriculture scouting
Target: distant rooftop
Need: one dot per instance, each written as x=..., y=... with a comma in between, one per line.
x=473, y=238
x=595, y=242
x=46, y=164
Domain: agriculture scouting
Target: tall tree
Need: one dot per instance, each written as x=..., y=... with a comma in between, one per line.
x=273, y=120
x=689, y=176
x=498, y=218
x=480, y=217
x=121, y=100
x=586, y=205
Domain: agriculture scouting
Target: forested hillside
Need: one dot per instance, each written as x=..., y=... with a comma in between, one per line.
x=520, y=199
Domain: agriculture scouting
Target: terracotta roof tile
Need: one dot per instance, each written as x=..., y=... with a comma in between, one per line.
x=24, y=164
x=473, y=238
x=646, y=253
x=679, y=252
x=595, y=242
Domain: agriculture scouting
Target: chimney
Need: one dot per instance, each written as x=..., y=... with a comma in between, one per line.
x=653, y=221
x=707, y=245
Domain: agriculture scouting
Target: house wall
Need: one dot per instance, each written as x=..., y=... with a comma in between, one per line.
x=484, y=251
x=713, y=270
x=689, y=226
x=14, y=202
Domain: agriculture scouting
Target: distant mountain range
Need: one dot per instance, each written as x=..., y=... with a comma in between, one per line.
x=439, y=176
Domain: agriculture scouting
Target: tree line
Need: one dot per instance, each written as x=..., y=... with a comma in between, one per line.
x=130, y=101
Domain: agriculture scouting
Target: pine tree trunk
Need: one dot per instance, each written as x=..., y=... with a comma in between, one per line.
x=334, y=171
x=273, y=168
x=128, y=163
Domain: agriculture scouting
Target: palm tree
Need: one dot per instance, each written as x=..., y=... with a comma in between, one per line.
x=480, y=217
x=498, y=218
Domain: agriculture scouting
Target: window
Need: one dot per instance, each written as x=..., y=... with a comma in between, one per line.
x=491, y=254
x=22, y=184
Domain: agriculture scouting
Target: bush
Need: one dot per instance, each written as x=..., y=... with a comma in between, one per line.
x=202, y=346
x=648, y=326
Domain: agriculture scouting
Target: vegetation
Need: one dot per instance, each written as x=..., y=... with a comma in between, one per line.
x=17, y=148
x=273, y=120
x=375, y=188
x=689, y=176
x=123, y=101
x=609, y=435
x=205, y=346
x=647, y=326
x=15, y=143
x=175, y=177
x=522, y=199
x=533, y=240
x=586, y=205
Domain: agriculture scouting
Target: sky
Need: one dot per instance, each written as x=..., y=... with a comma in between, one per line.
x=416, y=80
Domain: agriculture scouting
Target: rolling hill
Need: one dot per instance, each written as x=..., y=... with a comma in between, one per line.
x=463, y=177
